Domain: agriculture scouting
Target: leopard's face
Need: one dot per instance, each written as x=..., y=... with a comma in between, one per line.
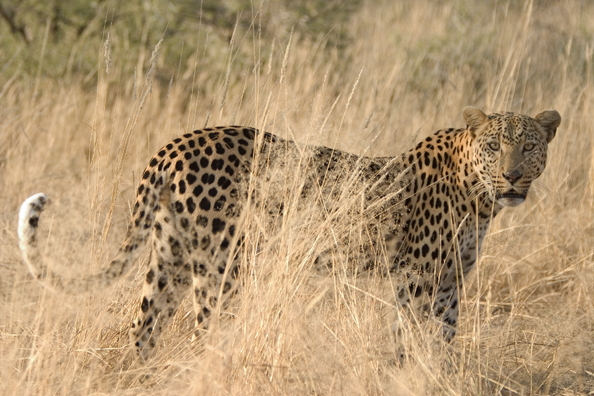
x=510, y=152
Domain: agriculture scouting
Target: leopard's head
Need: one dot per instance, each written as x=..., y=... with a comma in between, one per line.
x=509, y=151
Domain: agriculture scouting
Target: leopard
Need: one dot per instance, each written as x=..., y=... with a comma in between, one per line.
x=429, y=210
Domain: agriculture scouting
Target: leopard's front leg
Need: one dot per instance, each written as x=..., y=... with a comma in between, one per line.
x=446, y=303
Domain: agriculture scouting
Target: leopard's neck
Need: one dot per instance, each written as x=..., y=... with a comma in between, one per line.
x=466, y=178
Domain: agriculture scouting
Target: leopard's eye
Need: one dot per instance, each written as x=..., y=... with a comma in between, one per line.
x=494, y=146
x=529, y=146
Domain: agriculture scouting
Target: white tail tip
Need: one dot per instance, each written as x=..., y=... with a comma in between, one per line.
x=29, y=217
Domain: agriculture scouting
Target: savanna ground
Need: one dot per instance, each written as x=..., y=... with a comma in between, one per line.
x=80, y=120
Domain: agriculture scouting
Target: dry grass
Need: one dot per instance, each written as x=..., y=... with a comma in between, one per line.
x=527, y=323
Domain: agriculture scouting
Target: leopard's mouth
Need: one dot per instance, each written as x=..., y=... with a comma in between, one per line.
x=510, y=198
x=511, y=194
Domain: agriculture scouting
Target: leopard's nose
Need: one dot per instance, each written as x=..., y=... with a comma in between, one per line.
x=512, y=176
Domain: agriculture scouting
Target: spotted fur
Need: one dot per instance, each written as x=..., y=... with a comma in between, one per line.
x=428, y=211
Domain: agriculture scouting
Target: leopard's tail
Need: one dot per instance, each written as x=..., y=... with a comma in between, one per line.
x=139, y=231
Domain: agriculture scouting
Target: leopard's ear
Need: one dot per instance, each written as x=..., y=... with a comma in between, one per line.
x=549, y=120
x=474, y=118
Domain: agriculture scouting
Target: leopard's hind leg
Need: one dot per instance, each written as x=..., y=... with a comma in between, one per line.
x=167, y=282
x=215, y=265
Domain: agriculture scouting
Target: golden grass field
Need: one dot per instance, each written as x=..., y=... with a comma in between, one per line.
x=527, y=318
